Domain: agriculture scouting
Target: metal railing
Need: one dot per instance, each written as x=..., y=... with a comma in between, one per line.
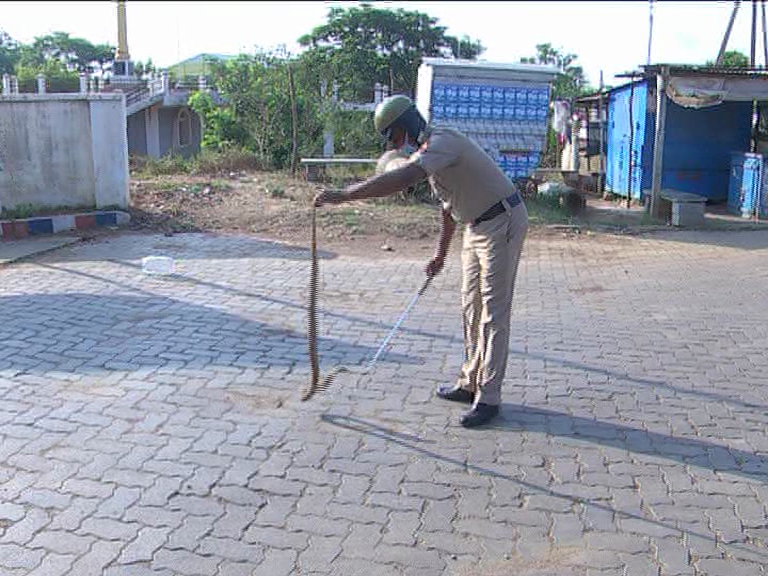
x=137, y=95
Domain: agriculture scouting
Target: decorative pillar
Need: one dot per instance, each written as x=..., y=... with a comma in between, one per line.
x=41, y=84
x=83, y=83
x=122, y=33
x=6, y=84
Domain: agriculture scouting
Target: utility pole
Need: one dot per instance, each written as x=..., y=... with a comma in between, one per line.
x=650, y=31
x=721, y=54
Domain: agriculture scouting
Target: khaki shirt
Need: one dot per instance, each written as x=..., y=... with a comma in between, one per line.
x=461, y=174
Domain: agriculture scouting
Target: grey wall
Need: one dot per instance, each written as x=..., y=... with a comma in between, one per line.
x=168, y=132
x=167, y=118
x=197, y=133
x=63, y=150
x=137, y=133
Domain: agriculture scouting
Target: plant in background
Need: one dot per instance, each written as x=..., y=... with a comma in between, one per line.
x=220, y=127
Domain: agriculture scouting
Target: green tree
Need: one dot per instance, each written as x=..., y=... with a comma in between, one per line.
x=732, y=59
x=571, y=82
x=74, y=53
x=9, y=53
x=258, y=111
x=144, y=68
x=362, y=45
x=221, y=129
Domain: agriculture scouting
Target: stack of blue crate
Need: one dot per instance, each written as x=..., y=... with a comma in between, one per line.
x=509, y=121
x=746, y=188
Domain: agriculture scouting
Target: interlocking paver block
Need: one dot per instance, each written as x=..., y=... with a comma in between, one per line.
x=187, y=563
x=277, y=563
x=101, y=554
x=57, y=565
x=633, y=413
x=15, y=556
x=144, y=546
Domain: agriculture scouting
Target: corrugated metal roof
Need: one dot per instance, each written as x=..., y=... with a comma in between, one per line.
x=696, y=70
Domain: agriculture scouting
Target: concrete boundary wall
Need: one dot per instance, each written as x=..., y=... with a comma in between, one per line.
x=63, y=150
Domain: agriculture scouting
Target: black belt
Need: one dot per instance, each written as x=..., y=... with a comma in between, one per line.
x=498, y=208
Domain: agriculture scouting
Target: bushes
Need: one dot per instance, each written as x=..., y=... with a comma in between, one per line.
x=231, y=159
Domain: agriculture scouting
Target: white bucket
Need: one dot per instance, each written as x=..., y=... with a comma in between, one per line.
x=157, y=265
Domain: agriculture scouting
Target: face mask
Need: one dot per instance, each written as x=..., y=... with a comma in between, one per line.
x=408, y=148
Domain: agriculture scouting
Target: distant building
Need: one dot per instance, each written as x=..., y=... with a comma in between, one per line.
x=196, y=66
x=160, y=121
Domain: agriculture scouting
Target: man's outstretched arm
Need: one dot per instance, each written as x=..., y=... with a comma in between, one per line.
x=375, y=187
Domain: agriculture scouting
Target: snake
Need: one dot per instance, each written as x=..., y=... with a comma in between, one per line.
x=316, y=383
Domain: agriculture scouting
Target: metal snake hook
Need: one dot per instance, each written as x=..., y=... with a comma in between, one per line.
x=315, y=385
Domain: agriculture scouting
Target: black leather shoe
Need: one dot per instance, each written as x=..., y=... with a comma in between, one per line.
x=455, y=394
x=479, y=415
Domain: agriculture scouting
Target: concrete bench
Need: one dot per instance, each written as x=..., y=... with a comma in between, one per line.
x=314, y=168
x=686, y=209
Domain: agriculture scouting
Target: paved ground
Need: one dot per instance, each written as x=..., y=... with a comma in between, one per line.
x=10, y=251
x=152, y=426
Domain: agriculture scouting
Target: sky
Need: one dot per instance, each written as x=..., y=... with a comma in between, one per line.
x=607, y=36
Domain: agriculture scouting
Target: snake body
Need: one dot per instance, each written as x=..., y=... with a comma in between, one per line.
x=317, y=384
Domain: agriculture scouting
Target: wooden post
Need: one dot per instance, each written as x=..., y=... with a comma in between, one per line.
x=658, y=142
x=601, y=167
x=294, y=123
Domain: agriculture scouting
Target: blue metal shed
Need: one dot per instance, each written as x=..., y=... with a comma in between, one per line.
x=697, y=149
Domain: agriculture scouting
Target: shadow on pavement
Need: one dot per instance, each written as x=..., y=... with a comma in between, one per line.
x=576, y=366
x=83, y=332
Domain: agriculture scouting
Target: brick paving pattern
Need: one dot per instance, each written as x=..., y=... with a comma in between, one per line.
x=152, y=426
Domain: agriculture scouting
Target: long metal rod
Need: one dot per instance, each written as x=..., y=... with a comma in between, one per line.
x=723, y=46
x=765, y=35
x=397, y=325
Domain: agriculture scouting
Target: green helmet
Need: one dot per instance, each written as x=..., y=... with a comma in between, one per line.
x=398, y=110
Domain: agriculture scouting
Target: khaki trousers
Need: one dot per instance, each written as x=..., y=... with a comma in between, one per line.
x=490, y=255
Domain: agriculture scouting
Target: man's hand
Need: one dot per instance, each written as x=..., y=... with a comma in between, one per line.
x=434, y=266
x=330, y=197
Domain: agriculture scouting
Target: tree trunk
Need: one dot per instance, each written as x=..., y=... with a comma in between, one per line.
x=294, y=123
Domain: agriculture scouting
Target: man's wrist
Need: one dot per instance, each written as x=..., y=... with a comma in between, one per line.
x=352, y=193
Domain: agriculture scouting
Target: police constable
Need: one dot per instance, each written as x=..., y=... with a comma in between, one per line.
x=475, y=192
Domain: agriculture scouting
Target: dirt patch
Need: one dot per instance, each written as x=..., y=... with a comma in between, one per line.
x=561, y=562
x=256, y=400
x=278, y=207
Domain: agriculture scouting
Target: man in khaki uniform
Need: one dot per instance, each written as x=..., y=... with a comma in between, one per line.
x=475, y=192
